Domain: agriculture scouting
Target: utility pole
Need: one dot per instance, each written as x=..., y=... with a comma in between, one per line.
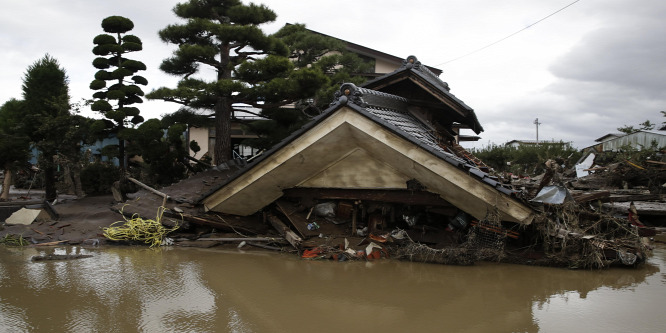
x=537, y=123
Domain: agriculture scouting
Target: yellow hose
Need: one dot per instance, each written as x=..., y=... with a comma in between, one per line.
x=138, y=229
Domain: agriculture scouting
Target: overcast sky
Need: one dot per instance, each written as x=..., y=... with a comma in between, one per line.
x=583, y=72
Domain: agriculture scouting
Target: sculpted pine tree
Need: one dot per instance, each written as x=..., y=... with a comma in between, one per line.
x=250, y=67
x=116, y=81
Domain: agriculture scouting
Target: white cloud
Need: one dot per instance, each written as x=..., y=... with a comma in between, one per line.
x=583, y=72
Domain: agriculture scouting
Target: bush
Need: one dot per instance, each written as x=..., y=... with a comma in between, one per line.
x=98, y=178
x=526, y=160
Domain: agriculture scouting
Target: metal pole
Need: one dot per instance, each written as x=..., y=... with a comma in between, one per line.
x=537, y=123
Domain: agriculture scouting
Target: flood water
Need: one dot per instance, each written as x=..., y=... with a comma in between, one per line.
x=136, y=289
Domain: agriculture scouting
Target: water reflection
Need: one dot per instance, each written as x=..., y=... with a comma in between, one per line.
x=195, y=290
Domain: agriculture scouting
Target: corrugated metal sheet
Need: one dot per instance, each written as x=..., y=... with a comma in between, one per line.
x=636, y=140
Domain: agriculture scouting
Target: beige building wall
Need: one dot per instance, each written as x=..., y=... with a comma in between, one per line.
x=200, y=135
x=382, y=66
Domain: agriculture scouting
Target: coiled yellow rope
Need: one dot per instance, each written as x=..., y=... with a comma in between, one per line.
x=138, y=229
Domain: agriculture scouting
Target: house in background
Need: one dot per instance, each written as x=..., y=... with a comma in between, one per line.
x=523, y=143
x=609, y=136
x=637, y=140
x=613, y=142
x=384, y=63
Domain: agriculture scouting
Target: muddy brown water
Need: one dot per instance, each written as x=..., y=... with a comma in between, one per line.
x=132, y=289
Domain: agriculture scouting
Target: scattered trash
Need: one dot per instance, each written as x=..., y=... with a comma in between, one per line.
x=313, y=226
x=326, y=209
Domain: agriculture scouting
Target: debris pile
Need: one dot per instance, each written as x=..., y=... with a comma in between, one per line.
x=572, y=228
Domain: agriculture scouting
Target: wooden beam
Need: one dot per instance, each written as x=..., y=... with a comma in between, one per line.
x=289, y=235
x=297, y=221
x=587, y=197
x=208, y=222
x=408, y=197
x=241, y=239
x=636, y=197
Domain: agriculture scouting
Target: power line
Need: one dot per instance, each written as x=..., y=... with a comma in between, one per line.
x=509, y=36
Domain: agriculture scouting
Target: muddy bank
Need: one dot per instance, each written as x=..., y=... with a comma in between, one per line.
x=342, y=229
x=79, y=221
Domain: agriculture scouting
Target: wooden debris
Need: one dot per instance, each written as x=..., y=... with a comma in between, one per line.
x=52, y=243
x=220, y=225
x=264, y=246
x=150, y=189
x=289, y=235
x=299, y=223
x=587, y=197
x=242, y=239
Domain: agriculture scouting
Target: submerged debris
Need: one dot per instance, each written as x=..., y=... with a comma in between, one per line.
x=14, y=240
x=60, y=257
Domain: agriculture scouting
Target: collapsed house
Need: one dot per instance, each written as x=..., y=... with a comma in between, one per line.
x=380, y=173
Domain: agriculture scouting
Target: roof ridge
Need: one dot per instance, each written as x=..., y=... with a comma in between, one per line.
x=363, y=97
x=414, y=63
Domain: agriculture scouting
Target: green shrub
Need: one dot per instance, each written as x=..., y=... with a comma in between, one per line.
x=527, y=159
x=97, y=178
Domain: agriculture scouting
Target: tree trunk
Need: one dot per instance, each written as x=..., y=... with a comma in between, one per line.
x=76, y=177
x=6, y=183
x=223, y=105
x=67, y=178
x=122, y=161
x=222, y=150
x=49, y=183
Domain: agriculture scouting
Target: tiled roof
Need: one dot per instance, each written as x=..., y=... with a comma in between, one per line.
x=413, y=66
x=391, y=112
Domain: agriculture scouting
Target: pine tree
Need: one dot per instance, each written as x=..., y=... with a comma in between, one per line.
x=251, y=67
x=326, y=54
x=14, y=144
x=116, y=81
x=46, y=106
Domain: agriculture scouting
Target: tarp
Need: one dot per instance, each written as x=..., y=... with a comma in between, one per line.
x=553, y=194
x=584, y=165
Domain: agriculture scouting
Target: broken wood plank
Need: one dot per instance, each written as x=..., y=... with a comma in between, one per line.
x=52, y=243
x=587, y=197
x=299, y=223
x=150, y=189
x=354, y=221
x=635, y=197
x=264, y=246
x=41, y=233
x=289, y=235
x=241, y=239
x=497, y=229
x=643, y=208
x=49, y=210
x=407, y=197
x=221, y=225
